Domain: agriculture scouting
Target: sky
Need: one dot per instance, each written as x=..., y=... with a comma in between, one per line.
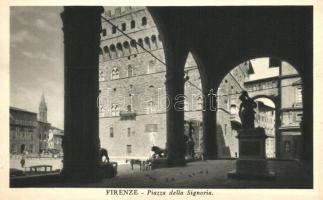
x=37, y=61
x=262, y=70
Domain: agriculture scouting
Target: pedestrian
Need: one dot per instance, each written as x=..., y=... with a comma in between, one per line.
x=22, y=161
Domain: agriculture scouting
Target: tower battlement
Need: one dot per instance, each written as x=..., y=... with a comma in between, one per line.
x=119, y=11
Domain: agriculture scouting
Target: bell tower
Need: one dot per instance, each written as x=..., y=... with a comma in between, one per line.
x=42, y=109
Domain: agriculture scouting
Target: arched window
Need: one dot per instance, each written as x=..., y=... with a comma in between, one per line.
x=114, y=29
x=154, y=41
x=140, y=42
x=113, y=51
x=106, y=51
x=127, y=47
x=133, y=44
x=100, y=55
x=123, y=26
x=144, y=21
x=104, y=32
x=120, y=49
x=115, y=73
x=133, y=24
x=130, y=71
x=147, y=42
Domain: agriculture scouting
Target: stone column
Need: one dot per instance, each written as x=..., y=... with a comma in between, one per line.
x=209, y=147
x=176, y=147
x=82, y=27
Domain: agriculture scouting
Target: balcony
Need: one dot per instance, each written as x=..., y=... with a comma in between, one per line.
x=235, y=121
x=128, y=115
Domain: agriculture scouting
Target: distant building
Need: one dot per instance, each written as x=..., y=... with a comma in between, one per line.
x=43, y=125
x=55, y=138
x=291, y=113
x=23, y=131
x=31, y=135
x=265, y=118
x=285, y=90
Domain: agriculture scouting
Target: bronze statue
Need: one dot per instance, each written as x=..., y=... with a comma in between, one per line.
x=246, y=111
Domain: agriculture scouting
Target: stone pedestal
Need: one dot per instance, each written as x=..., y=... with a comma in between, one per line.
x=252, y=162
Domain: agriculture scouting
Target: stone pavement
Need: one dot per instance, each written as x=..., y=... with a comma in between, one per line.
x=210, y=174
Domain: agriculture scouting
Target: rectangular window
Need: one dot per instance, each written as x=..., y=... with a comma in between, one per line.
x=129, y=132
x=129, y=149
x=111, y=132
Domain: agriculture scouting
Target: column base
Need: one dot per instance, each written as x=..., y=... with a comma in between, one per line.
x=251, y=169
x=80, y=171
x=176, y=162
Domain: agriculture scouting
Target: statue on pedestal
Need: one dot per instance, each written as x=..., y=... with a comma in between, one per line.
x=246, y=111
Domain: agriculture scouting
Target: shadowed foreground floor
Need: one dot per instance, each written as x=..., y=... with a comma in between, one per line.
x=210, y=174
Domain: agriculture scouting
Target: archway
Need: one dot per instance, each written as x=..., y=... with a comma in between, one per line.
x=193, y=108
x=279, y=83
x=255, y=34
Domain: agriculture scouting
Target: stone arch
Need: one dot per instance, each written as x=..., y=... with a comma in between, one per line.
x=274, y=99
x=267, y=38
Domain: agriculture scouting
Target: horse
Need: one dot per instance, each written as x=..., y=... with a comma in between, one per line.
x=135, y=162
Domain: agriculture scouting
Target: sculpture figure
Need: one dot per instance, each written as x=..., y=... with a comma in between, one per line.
x=246, y=111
